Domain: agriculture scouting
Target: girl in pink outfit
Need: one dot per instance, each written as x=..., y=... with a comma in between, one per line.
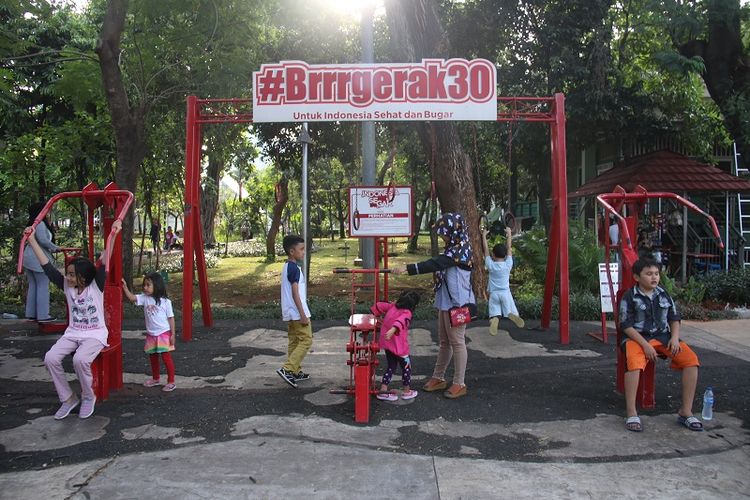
x=394, y=339
x=86, y=334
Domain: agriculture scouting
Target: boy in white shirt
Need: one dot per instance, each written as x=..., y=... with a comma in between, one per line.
x=294, y=311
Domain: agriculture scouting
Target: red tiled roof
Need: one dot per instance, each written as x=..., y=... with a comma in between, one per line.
x=663, y=171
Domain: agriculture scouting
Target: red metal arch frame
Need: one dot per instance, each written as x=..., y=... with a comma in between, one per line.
x=549, y=110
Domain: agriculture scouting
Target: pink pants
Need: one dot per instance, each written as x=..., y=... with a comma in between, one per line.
x=85, y=351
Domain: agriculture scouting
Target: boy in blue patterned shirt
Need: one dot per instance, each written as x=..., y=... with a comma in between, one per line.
x=651, y=323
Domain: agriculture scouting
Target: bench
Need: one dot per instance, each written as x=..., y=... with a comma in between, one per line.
x=646, y=395
x=106, y=371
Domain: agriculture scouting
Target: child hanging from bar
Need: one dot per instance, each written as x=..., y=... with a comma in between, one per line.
x=499, y=265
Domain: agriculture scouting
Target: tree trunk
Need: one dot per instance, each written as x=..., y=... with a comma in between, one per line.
x=416, y=33
x=210, y=198
x=278, y=209
x=127, y=121
x=341, y=213
x=388, y=163
x=727, y=74
x=419, y=214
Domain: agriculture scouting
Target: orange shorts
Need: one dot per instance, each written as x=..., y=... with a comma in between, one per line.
x=635, y=357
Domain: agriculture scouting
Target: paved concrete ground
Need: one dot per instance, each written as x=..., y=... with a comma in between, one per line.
x=540, y=419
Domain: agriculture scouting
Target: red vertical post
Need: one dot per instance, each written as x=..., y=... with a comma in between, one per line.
x=559, y=154
x=552, y=255
x=200, y=256
x=385, y=266
x=362, y=393
x=111, y=204
x=192, y=150
x=553, y=250
x=200, y=263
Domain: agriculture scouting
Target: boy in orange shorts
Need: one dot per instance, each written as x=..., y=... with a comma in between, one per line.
x=649, y=319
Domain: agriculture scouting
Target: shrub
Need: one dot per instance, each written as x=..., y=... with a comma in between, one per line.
x=528, y=290
x=583, y=306
x=670, y=286
x=693, y=292
x=248, y=248
x=584, y=256
x=173, y=263
x=698, y=313
x=733, y=286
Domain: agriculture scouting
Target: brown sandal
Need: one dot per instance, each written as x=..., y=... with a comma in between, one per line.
x=435, y=384
x=455, y=391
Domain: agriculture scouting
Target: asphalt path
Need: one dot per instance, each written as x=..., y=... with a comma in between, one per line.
x=530, y=401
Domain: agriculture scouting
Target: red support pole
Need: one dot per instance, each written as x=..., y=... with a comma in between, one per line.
x=362, y=393
x=200, y=257
x=559, y=154
x=553, y=250
x=192, y=151
x=551, y=274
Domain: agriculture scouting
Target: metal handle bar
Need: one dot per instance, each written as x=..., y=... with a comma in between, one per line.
x=604, y=200
x=79, y=194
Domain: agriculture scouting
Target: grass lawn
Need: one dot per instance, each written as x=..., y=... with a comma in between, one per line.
x=242, y=282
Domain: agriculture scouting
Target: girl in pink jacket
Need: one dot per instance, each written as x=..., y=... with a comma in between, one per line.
x=394, y=339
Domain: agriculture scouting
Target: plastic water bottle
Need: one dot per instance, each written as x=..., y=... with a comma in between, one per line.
x=708, y=404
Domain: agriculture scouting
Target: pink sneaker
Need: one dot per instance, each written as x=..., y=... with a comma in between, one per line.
x=151, y=382
x=409, y=395
x=65, y=409
x=387, y=396
x=87, y=407
x=169, y=387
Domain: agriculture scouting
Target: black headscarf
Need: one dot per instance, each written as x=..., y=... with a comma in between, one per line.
x=34, y=210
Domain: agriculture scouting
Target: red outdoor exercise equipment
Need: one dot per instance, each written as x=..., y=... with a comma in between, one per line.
x=106, y=369
x=634, y=204
x=364, y=329
x=550, y=110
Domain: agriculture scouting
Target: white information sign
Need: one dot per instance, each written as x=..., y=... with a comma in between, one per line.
x=433, y=89
x=380, y=211
x=604, y=290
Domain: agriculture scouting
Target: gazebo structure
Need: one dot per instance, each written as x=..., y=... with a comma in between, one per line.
x=714, y=190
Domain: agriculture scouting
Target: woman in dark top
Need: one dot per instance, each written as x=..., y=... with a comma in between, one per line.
x=452, y=289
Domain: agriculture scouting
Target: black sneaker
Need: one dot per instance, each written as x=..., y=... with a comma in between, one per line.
x=299, y=376
x=287, y=376
x=48, y=320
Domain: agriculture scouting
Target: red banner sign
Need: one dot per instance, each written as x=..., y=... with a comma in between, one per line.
x=435, y=89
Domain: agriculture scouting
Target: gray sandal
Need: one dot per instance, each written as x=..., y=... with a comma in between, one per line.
x=634, y=424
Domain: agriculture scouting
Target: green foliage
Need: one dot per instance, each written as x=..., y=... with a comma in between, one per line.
x=584, y=256
x=697, y=313
x=173, y=263
x=693, y=291
x=733, y=287
x=669, y=285
x=582, y=306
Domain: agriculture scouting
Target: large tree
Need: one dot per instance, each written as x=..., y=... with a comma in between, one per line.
x=711, y=32
x=152, y=54
x=416, y=33
x=128, y=120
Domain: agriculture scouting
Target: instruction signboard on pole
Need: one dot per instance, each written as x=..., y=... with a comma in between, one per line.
x=604, y=288
x=380, y=211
